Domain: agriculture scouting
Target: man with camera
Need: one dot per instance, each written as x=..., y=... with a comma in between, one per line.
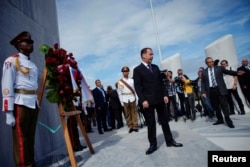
x=180, y=90
x=171, y=89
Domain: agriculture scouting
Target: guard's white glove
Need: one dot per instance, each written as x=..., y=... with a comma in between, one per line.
x=10, y=119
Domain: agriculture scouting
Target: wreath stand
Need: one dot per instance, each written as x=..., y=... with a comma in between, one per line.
x=63, y=114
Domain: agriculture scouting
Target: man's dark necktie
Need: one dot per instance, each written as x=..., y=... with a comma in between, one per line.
x=212, y=78
x=150, y=68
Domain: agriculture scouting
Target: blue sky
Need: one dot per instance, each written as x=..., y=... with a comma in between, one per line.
x=105, y=35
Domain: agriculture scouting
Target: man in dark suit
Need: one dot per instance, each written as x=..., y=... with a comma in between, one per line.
x=101, y=107
x=213, y=86
x=244, y=80
x=152, y=95
x=115, y=107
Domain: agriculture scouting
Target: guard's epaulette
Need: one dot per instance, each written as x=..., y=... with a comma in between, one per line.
x=25, y=70
x=15, y=55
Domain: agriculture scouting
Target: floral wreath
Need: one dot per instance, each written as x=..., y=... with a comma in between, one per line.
x=63, y=77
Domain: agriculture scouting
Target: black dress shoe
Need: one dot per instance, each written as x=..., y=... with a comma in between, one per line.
x=242, y=112
x=218, y=122
x=151, y=149
x=230, y=125
x=136, y=130
x=90, y=131
x=106, y=130
x=100, y=132
x=79, y=148
x=130, y=130
x=76, y=149
x=174, y=144
x=82, y=147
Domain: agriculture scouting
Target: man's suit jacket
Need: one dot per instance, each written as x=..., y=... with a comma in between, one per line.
x=98, y=98
x=149, y=85
x=244, y=80
x=218, y=72
x=114, y=101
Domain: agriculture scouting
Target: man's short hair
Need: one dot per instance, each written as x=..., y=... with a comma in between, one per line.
x=207, y=59
x=224, y=61
x=97, y=80
x=144, y=50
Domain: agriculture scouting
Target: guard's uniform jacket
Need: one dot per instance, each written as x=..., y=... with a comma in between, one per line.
x=125, y=94
x=19, y=82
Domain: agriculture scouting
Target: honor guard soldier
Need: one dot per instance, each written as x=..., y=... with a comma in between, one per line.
x=128, y=99
x=19, y=91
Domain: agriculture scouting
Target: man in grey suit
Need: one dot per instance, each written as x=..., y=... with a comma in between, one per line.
x=148, y=82
x=213, y=86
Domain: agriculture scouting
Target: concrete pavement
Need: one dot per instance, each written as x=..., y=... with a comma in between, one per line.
x=118, y=148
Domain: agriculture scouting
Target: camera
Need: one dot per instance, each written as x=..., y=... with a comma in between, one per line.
x=163, y=76
x=216, y=62
x=179, y=82
x=164, y=71
x=179, y=79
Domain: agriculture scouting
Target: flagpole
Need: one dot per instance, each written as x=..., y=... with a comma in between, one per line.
x=155, y=30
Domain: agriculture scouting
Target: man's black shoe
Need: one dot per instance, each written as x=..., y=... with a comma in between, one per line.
x=100, y=132
x=106, y=130
x=130, y=130
x=79, y=148
x=174, y=144
x=82, y=147
x=136, y=130
x=218, y=122
x=76, y=149
x=151, y=149
x=230, y=125
x=90, y=131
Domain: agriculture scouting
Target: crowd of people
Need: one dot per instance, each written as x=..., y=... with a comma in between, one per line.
x=212, y=93
x=186, y=97
x=149, y=90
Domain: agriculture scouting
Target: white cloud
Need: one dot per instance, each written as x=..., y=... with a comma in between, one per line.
x=113, y=32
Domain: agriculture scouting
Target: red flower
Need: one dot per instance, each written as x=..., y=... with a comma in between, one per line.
x=55, y=52
x=56, y=46
x=70, y=54
x=47, y=60
x=62, y=52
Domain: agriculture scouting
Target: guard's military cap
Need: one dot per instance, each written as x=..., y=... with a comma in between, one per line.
x=22, y=37
x=125, y=69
